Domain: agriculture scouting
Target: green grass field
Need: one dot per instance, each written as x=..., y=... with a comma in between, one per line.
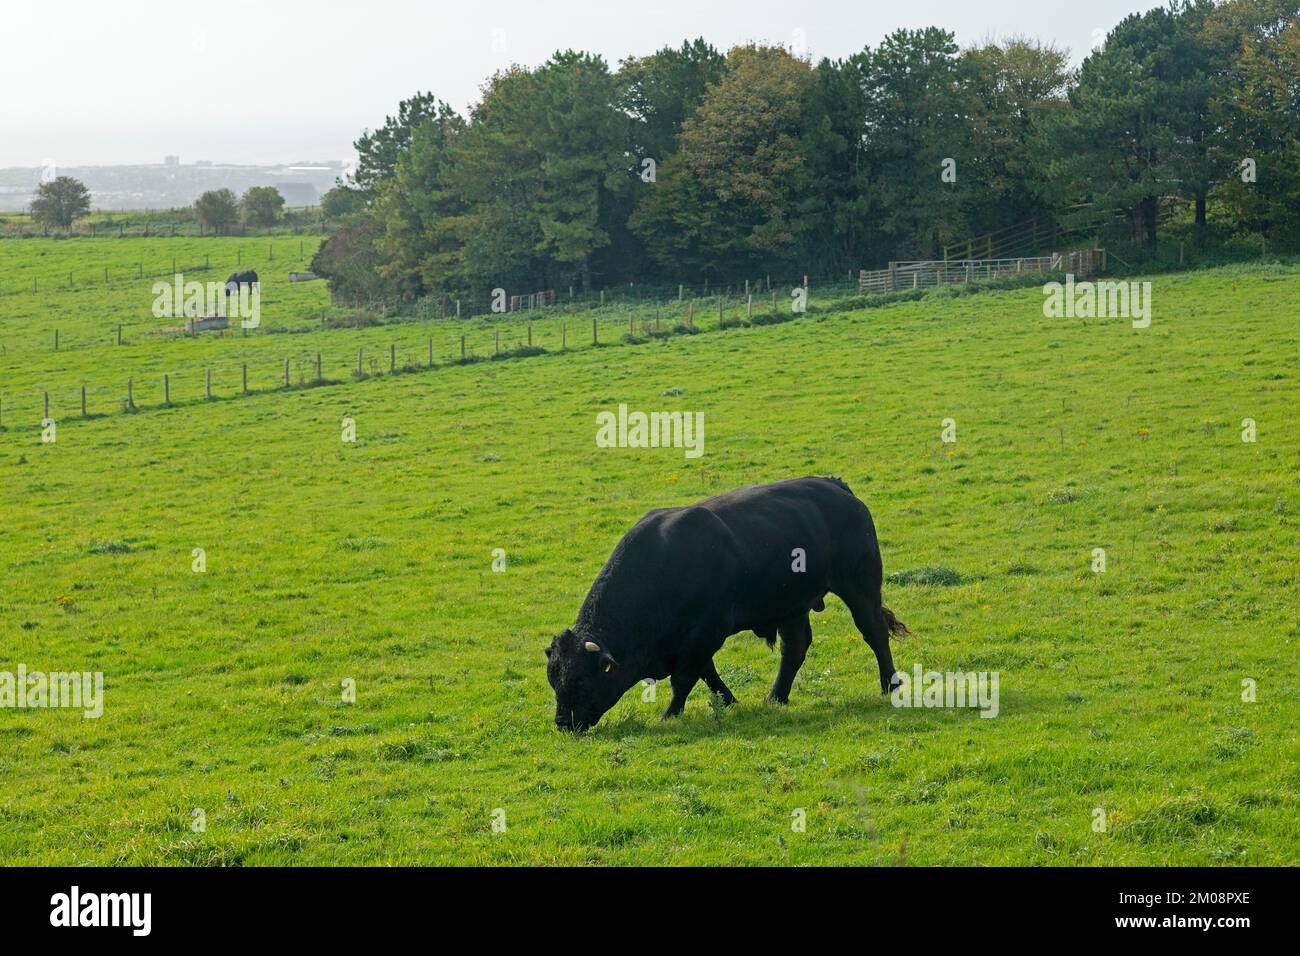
x=326, y=562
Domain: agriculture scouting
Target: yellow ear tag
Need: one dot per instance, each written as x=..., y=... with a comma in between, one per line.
x=608, y=668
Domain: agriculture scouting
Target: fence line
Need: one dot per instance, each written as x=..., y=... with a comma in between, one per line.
x=447, y=308
x=927, y=273
x=309, y=368
x=153, y=224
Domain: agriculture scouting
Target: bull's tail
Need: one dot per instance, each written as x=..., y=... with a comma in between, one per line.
x=893, y=625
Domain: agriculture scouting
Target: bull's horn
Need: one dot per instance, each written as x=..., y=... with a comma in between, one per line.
x=594, y=648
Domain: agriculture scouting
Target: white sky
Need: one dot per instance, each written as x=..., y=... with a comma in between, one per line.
x=91, y=82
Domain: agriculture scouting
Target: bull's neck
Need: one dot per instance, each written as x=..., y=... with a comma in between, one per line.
x=618, y=636
x=591, y=627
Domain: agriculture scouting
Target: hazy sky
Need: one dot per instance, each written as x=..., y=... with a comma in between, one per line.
x=88, y=82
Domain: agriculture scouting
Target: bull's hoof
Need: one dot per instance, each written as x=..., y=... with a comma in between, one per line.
x=774, y=699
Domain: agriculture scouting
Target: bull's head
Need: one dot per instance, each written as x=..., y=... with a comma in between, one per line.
x=586, y=679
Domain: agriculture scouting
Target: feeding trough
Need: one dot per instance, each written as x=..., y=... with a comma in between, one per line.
x=206, y=322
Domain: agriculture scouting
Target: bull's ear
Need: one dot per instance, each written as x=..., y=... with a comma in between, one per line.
x=607, y=662
x=548, y=651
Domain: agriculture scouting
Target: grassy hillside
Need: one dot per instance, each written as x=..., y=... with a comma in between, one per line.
x=372, y=562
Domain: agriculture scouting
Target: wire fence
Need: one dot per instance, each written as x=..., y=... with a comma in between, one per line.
x=928, y=273
x=518, y=336
x=641, y=301
x=632, y=294
x=154, y=223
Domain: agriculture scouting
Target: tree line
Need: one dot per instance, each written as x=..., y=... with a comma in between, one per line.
x=688, y=163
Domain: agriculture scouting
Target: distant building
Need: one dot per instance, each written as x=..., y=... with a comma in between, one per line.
x=171, y=160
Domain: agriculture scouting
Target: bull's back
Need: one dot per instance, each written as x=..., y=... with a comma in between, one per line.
x=795, y=540
x=757, y=555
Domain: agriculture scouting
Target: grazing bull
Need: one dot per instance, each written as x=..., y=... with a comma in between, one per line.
x=239, y=279
x=683, y=580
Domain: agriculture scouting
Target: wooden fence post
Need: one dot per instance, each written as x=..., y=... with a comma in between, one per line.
x=286, y=373
x=130, y=393
x=462, y=348
x=430, y=353
x=563, y=337
x=47, y=407
x=245, y=378
x=318, y=376
x=594, y=339
x=167, y=390
x=392, y=359
x=207, y=376
x=56, y=340
x=83, y=401
x=360, y=370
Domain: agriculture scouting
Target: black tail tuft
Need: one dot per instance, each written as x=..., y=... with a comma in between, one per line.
x=895, y=627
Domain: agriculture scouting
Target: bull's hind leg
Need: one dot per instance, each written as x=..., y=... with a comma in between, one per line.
x=715, y=685
x=869, y=616
x=796, y=636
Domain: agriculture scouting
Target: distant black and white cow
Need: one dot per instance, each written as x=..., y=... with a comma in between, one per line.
x=685, y=579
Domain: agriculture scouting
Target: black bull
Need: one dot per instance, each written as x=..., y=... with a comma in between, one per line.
x=683, y=580
x=238, y=279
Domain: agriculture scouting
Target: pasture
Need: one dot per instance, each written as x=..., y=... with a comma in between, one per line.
x=372, y=563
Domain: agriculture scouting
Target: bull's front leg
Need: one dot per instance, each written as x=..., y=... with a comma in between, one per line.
x=683, y=680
